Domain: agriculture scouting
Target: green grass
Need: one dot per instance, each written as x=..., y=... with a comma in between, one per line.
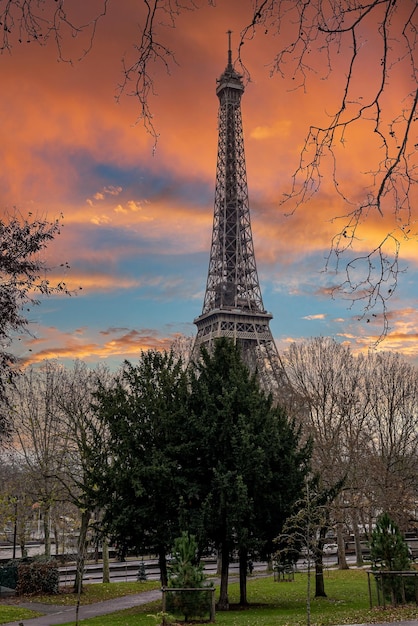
x=99, y=592
x=271, y=604
x=15, y=614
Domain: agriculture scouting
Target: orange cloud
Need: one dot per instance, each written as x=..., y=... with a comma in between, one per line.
x=401, y=336
x=121, y=344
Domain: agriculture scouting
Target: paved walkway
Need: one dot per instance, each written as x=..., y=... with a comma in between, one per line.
x=55, y=615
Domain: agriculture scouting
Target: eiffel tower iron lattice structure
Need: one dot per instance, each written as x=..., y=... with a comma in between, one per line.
x=233, y=305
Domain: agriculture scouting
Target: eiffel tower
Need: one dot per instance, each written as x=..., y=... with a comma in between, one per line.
x=233, y=305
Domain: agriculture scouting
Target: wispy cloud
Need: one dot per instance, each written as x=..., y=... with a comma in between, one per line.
x=317, y=316
x=113, y=344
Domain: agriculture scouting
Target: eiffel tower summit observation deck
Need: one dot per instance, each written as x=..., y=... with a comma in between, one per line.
x=233, y=305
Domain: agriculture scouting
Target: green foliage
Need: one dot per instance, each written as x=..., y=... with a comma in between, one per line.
x=388, y=548
x=249, y=464
x=142, y=573
x=37, y=577
x=10, y=572
x=22, y=275
x=207, y=452
x=186, y=572
x=136, y=477
x=389, y=552
x=162, y=618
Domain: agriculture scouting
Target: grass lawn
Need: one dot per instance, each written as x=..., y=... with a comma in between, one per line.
x=14, y=614
x=271, y=604
x=98, y=593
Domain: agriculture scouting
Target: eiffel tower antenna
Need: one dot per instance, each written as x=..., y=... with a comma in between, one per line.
x=229, y=33
x=233, y=305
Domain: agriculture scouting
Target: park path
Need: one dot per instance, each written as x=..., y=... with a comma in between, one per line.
x=55, y=614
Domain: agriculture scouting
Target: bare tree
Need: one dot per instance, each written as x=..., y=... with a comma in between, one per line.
x=361, y=413
x=40, y=438
x=55, y=431
x=330, y=380
x=28, y=21
x=182, y=347
x=75, y=397
x=16, y=504
x=303, y=532
x=392, y=446
x=320, y=371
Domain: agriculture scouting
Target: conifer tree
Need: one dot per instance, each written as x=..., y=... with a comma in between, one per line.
x=389, y=550
x=388, y=547
x=137, y=476
x=249, y=463
x=186, y=572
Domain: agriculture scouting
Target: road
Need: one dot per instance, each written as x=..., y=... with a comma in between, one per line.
x=128, y=570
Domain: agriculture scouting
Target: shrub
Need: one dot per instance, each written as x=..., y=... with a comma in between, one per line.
x=142, y=573
x=8, y=575
x=37, y=577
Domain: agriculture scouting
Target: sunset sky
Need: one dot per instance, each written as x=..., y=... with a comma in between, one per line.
x=137, y=220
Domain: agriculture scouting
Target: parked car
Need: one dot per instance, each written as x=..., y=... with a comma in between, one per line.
x=330, y=548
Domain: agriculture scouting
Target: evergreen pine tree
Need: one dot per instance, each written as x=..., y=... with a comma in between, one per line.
x=388, y=547
x=186, y=572
x=389, y=551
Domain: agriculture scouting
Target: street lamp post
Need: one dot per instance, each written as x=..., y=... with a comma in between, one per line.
x=15, y=530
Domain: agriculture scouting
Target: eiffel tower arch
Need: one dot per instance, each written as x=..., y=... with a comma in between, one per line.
x=233, y=305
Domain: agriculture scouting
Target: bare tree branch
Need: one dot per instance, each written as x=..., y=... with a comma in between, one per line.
x=28, y=21
x=330, y=28
x=151, y=51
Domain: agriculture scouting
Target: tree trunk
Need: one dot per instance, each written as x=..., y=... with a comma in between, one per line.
x=81, y=551
x=223, y=604
x=57, y=540
x=243, y=564
x=218, y=564
x=357, y=541
x=21, y=531
x=163, y=567
x=47, y=536
x=23, y=548
x=106, y=570
x=319, y=566
x=319, y=579
x=308, y=592
x=342, y=561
